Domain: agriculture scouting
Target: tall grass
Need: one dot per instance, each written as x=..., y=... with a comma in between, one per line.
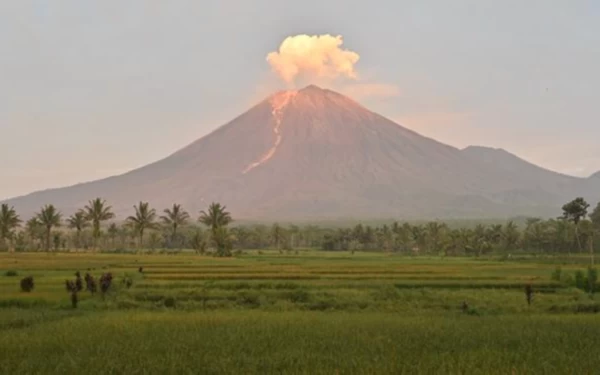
x=315, y=343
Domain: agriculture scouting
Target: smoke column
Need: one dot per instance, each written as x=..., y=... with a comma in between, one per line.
x=313, y=57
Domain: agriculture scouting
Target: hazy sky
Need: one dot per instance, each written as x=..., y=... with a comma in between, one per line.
x=93, y=88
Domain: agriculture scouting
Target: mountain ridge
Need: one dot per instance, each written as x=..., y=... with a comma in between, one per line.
x=314, y=153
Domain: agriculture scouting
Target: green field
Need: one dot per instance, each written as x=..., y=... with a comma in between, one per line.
x=310, y=312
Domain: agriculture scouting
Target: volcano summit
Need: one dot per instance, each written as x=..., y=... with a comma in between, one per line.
x=314, y=153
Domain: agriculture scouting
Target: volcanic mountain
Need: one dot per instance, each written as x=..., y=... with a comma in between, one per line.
x=314, y=153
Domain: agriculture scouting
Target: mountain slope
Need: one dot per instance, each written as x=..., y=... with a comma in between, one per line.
x=314, y=153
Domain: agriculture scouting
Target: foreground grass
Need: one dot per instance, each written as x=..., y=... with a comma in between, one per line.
x=296, y=342
x=310, y=313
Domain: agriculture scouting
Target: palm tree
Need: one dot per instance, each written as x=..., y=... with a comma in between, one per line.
x=9, y=221
x=49, y=217
x=174, y=218
x=216, y=217
x=34, y=230
x=97, y=211
x=575, y=211
x=144, y=219
x=79, y=222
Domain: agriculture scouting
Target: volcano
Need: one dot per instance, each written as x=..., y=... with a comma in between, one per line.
x=316, y=154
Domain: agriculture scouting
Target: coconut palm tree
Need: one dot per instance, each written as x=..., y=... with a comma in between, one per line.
x=79, y=222
x=144, y=219
x=49, y=217
x=216, y=217
x=9, y=221
x=97, y=211
x=175, y=218
x=34, y=231
x=575, y=211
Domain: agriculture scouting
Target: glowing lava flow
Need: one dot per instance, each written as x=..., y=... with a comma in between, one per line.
x=278, y=104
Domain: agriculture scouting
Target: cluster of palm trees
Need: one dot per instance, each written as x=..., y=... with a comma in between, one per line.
x=574, y=231
x=97, y=212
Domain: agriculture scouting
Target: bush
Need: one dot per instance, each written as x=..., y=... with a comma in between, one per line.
x=27, y=284
x=105, y=282
x=71, y=287
x=529, y=294
x=90, y=283
x=11, y=273
x=170, y=302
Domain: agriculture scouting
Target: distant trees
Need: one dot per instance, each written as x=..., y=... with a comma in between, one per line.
x=217, y=219
x=9, y=222
x=595, y=217
x=573, y=231
x=78, y=222
x=113, y=232
x=575, y=211
x=175, y=218
x=49, y=217
x=143, y=220
x=96, y=212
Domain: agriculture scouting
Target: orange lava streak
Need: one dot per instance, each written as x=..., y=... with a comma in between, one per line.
x=278, y=104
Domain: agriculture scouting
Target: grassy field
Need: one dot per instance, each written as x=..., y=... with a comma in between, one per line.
x=310, y=312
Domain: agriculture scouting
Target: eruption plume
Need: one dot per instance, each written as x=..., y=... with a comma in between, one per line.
x=313, y=56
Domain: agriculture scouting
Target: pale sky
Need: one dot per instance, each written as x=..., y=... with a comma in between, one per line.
x=94, y=88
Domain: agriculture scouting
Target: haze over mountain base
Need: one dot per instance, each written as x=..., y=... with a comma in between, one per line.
x=316, y=154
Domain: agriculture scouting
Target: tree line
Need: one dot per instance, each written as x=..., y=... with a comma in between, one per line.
x=44, y=230
x=93, y=228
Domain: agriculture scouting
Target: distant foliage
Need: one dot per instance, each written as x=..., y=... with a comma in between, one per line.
x=529, y=294
x=27, y=284
x=105, y=282
x=90, y=283
x=573, y=232
x=11, y=273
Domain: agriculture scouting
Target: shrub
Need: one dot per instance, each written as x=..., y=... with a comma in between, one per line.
x=27, y=284
x=11, y=273
x=529, y=294
x=170, y=302
x=71, y=287
x=90, y=283
x=78, y=282
x=105, y=282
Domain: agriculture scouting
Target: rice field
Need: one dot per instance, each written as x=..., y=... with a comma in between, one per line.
x=307, y=312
